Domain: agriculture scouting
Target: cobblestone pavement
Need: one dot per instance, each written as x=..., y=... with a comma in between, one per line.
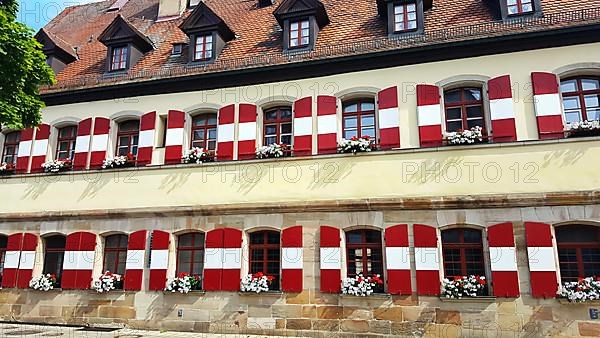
x=8, y=330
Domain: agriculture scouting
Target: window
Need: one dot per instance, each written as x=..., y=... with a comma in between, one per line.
x=299, y=33
x=118, y=60
x=65, y=149
x=516, y=7
x=203, y=48
x=364, y=253
x=128, y=136
x=177, y=49
x=54, y=253
x=265, y=255
x=115, y=254
x=581, y=99
x=3, y=243
x=405, y=17
x=464, y=109
x=359, y=119
x=578, y=251
x=278, y=125
x=11, y=147
x=463, y=252
x=204, y=131
x=190, y=254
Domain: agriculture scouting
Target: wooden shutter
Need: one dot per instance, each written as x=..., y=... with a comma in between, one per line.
x=331, y=259
x=397, y=260
x=225, y=133
x=548, y=108
x=303, y=127
x=82, y=144
x=292, y=259
x=429, y=115
x=427, y=260
x=327, y=124
x=99, y=142
x=503, y=260
x=159, y=260
x=174, y=137
x=40, y=148
x=24, y=153
x=389, y=118
x=502, y=109
x=542, y=265
x=247, y=132
x=136, y=257
x=78, y=260
x=12, y=259
x=223, y=260
x=146, y=139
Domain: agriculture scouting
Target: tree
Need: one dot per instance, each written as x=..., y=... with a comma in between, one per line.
x=23, y=69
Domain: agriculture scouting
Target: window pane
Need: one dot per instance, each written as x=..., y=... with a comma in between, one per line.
x=353, y=237
x=593, y=114
x=186, y=240
x=353, y=108
x=286, y=128
x=527, y=8
x=410, y=7
x=573, y=116
x=399, y=27
x=452, y=96
x=304, y=41
x=453, y=113
x=577, y=234
x=568, y=86
x=472, y=236
x=367, y=106
x=305, y=24
x=373, y=236
x=454, y=126
x=286, y=114
x=451, y=236
x=294, y=26
x=273, y=237
x=590, y=84
x=367, y=120
x=474, y=111
x=368, y=132
x=348, y=134
x=592, y=100
x=472, y=94
x=475, y=123
x=350, y=122
x=571, y=102
x=398, y=9
x=271, y=115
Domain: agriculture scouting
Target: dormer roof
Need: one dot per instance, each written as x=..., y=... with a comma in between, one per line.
x=54, y=45
x=121, y=30
x=295, y=8
x=204, y=19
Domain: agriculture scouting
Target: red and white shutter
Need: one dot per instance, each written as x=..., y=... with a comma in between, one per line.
x=24, y=153
x=303, y=127
x=40, y=148
x=397, y=260
x=247, y=132
x=503, y=260
x=26, y=260
x=292, y=259
x=213, y=260
x=82, y=144
x=146, y=140
x=174, y=137
x=136, y=256
x=159, y=260
x=548, y=108
x=427, y=260
x=78, y=260
x=12, y=258
x=502, y=109
x=99, y=142
x=225, y=133
x=389, y=118
x=327, y=124
x=429, y=115
x=331, y=259
x=542, y=264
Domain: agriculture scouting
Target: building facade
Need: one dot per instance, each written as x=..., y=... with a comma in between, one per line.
x=149, y=80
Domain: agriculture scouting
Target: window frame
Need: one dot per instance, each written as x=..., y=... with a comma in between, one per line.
x=192, y=249
x=364, y=245
x=14, y=145
x=462, y=246
x=578, y=247
x=3, y=255
x=580, y=93
x=405, y=19
x=359, y=113
x=130, y=136
x=265, y=246
x=71, y=140
x=204, y=45
x=126, y=55
x=463, y=105
x=278, y=122
x=519, y=6
x=206, y=127
x=299, y=21
x=54, y=250
x=122, y=247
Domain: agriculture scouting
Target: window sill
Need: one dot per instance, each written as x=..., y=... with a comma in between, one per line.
x=193, y=292
x=260, y=294
x=564, y=301
x=479, y=299
x=372, y=296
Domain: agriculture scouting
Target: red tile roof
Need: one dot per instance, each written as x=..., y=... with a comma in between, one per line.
x=355, y=28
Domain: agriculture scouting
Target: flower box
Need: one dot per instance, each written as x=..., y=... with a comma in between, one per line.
x=468, y=136
x=184, y=283
x=476, y=299
x=197, y=155
x=119, y=162
x=45, y=282
x=356, y=145
x=464, y=287
x=108, y=282
x=584, y=290
x=7, y=169
x=362, y=286
x=256, y=283
x=56, y=166
x=273, y=151
x=583, y=129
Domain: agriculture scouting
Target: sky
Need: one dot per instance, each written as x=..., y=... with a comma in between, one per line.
x=37, y=13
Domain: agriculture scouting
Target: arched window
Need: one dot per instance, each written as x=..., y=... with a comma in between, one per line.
x=463, y=252
x=364, y=253
x=190, y=254
x=11, y=147
x=265, y=255
x=65, y=145
x=578, y=251
x=278, y=125
x=464, y=108
x=581, y=98
x=115, y=253
x=54, y=253
x=204, y=131
x=359, y=118
x=3, y=242
x=127, y=137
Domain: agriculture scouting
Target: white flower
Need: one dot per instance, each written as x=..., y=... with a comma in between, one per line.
x=197, y=155
x=584, y=125
x=463, y=286
x=467, y=136
x=360, y=285
x=356, y=145
x=43, y=282
x=272, y=150
x=586, y=289
x=55, y=166
x=117, y=162
x=106, y=282
x=182, y=284
x=255, y=283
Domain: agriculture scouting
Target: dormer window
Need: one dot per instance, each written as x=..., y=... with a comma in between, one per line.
x=58, y=52
x=203, y=48
x=516, y=7
x=405, y=17
x=119, y=57
x=299, y=33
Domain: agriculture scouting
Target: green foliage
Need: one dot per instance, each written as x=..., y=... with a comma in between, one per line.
x=23, y=69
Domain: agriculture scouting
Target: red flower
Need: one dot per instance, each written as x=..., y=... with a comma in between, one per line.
x=366, y=137
x=270, y=278
x=183, y=274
